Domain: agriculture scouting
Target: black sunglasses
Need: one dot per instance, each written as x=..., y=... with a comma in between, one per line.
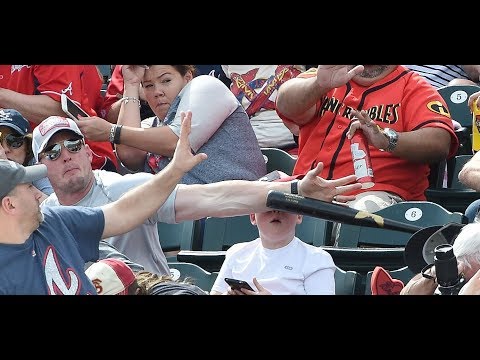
x=53, y=151
x=12, y=141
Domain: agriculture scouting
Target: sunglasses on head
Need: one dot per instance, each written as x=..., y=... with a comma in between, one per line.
x=53, y=151
x=12, y=141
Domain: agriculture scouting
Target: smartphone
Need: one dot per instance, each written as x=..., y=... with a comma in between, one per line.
x=70, y=108
x=238, y=284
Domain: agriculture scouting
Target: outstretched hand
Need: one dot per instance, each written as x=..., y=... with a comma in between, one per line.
x=332, y=76
x=316, y=187
x=184, y=159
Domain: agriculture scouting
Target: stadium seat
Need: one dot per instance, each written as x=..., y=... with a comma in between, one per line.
x=459, y=162
x=174, y=237
x=456, y=97
x=221, y=233
x=345, y=282
x=193, y=274
x=419, y=213
x=361, y=260
x=278, y=159
x=456, y=197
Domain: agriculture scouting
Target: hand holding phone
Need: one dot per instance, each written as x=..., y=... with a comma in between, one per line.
x=236, y=284
x=70, y=108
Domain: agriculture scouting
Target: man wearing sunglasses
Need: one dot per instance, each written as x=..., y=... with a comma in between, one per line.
x=16, y=145
x=44, y=251
x=75, y=183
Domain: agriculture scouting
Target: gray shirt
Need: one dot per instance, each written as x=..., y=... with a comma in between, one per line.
x=141, y=245
x=107, y=251
x=220, y=128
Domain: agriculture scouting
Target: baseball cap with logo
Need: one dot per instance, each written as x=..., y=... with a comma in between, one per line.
x=47, y=128
x=111, y=276
x=13, y=119
x=13, y=174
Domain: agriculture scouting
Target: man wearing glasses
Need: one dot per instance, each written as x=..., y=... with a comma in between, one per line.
x=44, y=251
x=57, y=143
x=16, y=143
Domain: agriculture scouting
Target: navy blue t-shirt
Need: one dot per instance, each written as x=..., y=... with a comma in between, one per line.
x=52, y=260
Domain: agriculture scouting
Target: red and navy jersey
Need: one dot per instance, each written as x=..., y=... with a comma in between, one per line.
x=403, y=101
x=81, y=83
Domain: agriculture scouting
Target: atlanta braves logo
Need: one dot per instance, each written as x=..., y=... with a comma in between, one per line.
x=244, y=85
x=56, y=281
x=69, y=89
x=18, y=68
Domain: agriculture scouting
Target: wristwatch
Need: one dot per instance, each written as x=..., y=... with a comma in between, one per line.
x=392, y=137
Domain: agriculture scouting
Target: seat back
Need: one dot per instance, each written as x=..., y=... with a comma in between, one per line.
x=404, y=274
x=420, y=213
x=193, y=274
x=456, y=97
x=278, y=159
x=460, y=161
x=345, y=282
x=222, y=233
x=174, y=237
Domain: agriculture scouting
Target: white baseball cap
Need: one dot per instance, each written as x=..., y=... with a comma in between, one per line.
x=47, y=128
x=111, y=276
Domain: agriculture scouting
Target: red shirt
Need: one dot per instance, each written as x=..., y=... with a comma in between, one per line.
x=81, y=83
x=403, y=101
x=115, y=88
x=4, y=75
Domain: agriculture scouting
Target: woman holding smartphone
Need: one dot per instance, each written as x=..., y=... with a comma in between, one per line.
x=220, y=126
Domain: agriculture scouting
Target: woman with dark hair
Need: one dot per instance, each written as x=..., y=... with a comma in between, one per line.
x=220, y=126
x=16, y=143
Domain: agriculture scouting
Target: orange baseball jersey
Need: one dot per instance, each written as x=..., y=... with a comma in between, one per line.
x=78, y=82
x=403, y=101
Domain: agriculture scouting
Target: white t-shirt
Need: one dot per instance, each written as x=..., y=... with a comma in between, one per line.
x=295, y=269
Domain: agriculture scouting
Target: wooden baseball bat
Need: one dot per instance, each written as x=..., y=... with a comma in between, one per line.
x=334, y=212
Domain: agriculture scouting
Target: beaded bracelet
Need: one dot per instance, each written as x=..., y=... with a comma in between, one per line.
x=126, y=99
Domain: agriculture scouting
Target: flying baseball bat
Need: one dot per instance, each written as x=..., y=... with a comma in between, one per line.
x=339, y=213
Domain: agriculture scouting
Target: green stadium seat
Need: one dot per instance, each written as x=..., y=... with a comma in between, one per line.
x=456, y=97
x=419, y=213
x=345, y=282
x=193, y=274
x=278, y=159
